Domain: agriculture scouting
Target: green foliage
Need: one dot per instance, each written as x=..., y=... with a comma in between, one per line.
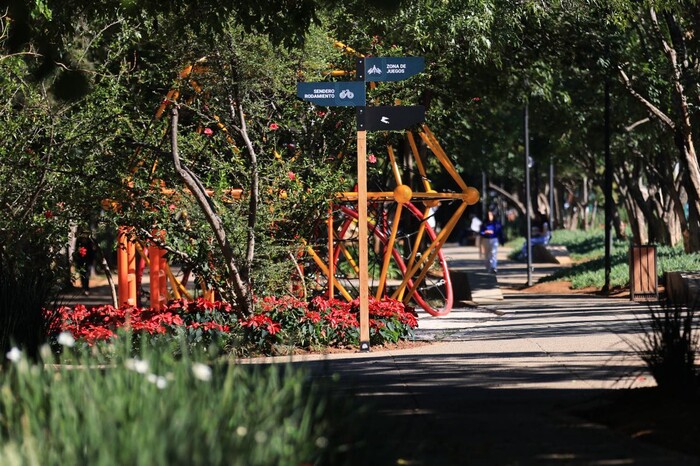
x=24, y=290
x=153, y=409
x=669, y=347
x=583, y=245
x=59, y=160
x=78, y=116
x=587, y=249
x=77, y=146
x=299, y=162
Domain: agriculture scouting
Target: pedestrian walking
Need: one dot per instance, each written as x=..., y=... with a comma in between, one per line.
x=491, y=233
x=475, y=226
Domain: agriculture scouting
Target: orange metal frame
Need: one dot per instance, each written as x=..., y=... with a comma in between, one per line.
x=402, y=194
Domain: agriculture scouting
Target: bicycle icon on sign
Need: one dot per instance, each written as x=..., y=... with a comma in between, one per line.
x=347, y=94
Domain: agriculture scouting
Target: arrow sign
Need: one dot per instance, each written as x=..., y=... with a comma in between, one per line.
x=391, y=118
x=392, y=68
x=336, y=94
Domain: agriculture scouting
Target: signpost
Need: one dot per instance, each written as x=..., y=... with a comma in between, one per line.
x=392, y=118
x=392, y=68
x=337, y=94
x=381, y=118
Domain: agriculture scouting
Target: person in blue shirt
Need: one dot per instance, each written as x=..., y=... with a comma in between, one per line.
x=491, y=233
x=539, y=234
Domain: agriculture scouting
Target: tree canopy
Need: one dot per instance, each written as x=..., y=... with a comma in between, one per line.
x=82, y=80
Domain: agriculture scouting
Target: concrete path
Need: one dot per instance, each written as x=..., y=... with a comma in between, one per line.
x=499, y=383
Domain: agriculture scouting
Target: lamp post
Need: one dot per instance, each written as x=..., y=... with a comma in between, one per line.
x=551, y=194
x=528, y=235
x=484, y=194
x=608, y=187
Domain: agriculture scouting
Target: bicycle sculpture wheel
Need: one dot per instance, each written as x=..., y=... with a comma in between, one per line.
x=405, y=257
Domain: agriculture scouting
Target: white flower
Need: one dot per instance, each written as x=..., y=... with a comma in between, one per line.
x=201, y=371
x=241, y=431
x=322, y=442
x=14, y=354
x=159, y=381
x=66, y=339
x=137, y=365
x=260, y=436
x=45, y=352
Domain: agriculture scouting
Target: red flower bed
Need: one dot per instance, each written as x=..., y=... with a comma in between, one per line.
x=277, y=320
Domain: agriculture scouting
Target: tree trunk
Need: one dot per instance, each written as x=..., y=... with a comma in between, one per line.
x=543, y=203
x=242, y=290
x=634, y=204
x=510, y=197
x=680, y=126
x=684, y=143
x=572, y=217
x=620, y=233
x=557, y=210
x=252, y=203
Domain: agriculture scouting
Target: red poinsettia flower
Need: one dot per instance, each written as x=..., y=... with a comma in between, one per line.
x=274, y=126
x=273, y=327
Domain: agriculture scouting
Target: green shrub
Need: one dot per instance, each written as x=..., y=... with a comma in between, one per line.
x=582, y=245
x=675, y=260
x=110, y=409
x=669, y=346
x=587, y=248
x=26, y=284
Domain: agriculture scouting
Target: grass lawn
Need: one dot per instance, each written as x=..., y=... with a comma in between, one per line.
x=587, y=251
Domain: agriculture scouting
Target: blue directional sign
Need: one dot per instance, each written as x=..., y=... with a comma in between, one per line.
x=392, y=68
x=333, y=94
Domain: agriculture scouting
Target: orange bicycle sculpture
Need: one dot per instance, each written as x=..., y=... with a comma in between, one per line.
x=406, y=260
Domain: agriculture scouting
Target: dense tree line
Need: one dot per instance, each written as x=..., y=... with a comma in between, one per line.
x=81, y=82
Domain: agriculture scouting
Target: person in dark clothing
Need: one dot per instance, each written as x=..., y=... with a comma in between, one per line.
x=491, y=233
x=84, y=256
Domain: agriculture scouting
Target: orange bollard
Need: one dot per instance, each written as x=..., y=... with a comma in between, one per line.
x=122, y=268
x=154, y=274
x=131, y=272
x=163, y=278
x=126, y=269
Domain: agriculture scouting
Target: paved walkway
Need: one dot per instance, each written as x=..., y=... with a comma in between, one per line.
x=499, y=382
